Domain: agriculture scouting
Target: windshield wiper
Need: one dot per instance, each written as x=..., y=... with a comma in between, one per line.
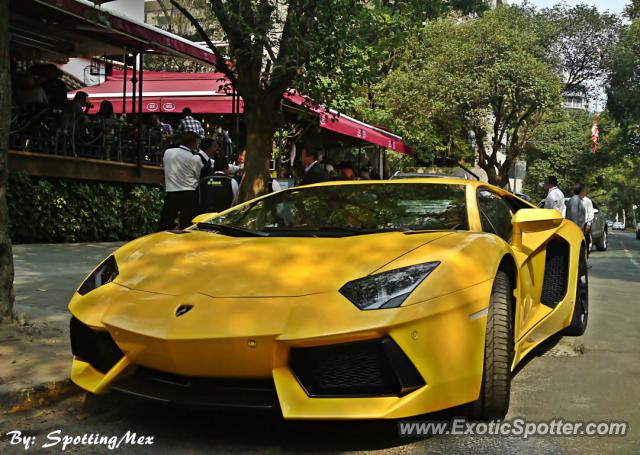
x=231, y=230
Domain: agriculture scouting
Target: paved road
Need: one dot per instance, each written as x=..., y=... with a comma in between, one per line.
x=595, y=377
x=47, y=276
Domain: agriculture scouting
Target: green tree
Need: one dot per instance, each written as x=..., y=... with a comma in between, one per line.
x=561, y=146
x=623, y=90
x=167, y=17
x=334, y=50
x=364, y=43
x=578, y=42
x=485, y=85
x=7, y=310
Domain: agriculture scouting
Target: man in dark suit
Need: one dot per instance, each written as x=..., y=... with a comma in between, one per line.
x=313, y=171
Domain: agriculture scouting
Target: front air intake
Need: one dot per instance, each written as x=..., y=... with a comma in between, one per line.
x=556, y=272
x=95, y=347
x=365, y=368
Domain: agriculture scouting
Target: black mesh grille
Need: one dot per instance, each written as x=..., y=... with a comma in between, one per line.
x=93, y=346
x=368, y=368
x=199, y=392
x=556, y=273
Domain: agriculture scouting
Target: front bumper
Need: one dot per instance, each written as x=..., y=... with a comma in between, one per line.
x=256, y=352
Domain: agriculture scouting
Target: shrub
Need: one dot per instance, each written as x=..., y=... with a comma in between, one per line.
x=58, y=210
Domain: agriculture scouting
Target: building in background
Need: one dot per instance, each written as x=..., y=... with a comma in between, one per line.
x=496, y=3
x=575, y=100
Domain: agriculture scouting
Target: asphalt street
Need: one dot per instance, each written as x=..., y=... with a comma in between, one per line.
x=592, y=378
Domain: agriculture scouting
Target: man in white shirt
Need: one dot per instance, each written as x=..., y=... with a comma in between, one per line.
x=181, y=177
x=555, y=197
x=207, y=153
x=589, y=216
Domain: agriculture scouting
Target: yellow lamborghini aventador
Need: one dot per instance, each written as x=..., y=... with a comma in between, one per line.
x=353, y=300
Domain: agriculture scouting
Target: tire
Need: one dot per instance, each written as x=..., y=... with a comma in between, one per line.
x=603, y=242
x=580, y=316
x=498, y=354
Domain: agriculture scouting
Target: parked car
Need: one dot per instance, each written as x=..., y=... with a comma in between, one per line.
x=610, y=224
x=638, y=231
x=357, y=300
x=618, y=226
x=599, y=229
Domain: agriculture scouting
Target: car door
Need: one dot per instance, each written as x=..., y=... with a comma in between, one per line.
x=496, y=212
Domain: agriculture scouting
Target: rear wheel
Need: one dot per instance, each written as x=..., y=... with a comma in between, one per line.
x=603, y=242
x=580, y=316
x=498, y=354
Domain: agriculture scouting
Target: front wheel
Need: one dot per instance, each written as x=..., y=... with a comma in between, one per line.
x=498, y=354
x=580, y=316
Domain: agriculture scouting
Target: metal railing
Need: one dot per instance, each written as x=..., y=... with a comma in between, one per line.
x=56, y=132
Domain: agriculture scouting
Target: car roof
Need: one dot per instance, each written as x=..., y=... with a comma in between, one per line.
x=402, y=181
x=418, y=175
x=407, y=181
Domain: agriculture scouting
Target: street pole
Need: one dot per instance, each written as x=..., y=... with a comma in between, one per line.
x=124, y=84
x=140, y=119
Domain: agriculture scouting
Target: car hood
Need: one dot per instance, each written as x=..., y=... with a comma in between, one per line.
x=222, y=266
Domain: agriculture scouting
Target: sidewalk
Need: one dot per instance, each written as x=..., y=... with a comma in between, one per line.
x=35, y=353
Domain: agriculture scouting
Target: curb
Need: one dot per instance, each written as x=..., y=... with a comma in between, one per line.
x=38, y=397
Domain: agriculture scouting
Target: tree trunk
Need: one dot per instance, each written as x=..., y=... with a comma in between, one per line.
x=496, y=174
x=260, y=120
x=485, y=160
x=7, y=310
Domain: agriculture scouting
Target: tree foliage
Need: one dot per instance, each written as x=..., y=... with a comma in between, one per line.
x=364, y=42
x=269, y=43
x=484, y=75
x=169, y=18
x=623, y=88
x=623, y=102
x=561, y=146
x=578, y=42
x=335, y=51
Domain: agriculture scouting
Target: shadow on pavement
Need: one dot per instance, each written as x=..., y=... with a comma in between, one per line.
x=219, y=429
x=538, y=351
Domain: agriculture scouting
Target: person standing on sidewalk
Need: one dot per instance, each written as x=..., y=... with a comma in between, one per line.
x=188, y=123
x=575, y=208
x=589, y=216
x=181, y=176
x=313, y=171
x=555, y=197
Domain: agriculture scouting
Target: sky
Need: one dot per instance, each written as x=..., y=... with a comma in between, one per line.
x=614, y=6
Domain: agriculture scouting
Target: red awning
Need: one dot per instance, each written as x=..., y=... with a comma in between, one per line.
x=209, y=93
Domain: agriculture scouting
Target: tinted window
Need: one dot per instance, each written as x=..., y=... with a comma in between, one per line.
x=495, y=214
x=362, y=207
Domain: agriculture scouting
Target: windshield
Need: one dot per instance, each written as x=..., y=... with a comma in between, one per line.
x=352, y=209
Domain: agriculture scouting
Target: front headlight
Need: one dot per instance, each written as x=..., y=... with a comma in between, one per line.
x=106, y=273
x=388, y=289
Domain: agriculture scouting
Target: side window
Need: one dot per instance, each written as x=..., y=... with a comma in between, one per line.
x=515, y=204
x=495, y=214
